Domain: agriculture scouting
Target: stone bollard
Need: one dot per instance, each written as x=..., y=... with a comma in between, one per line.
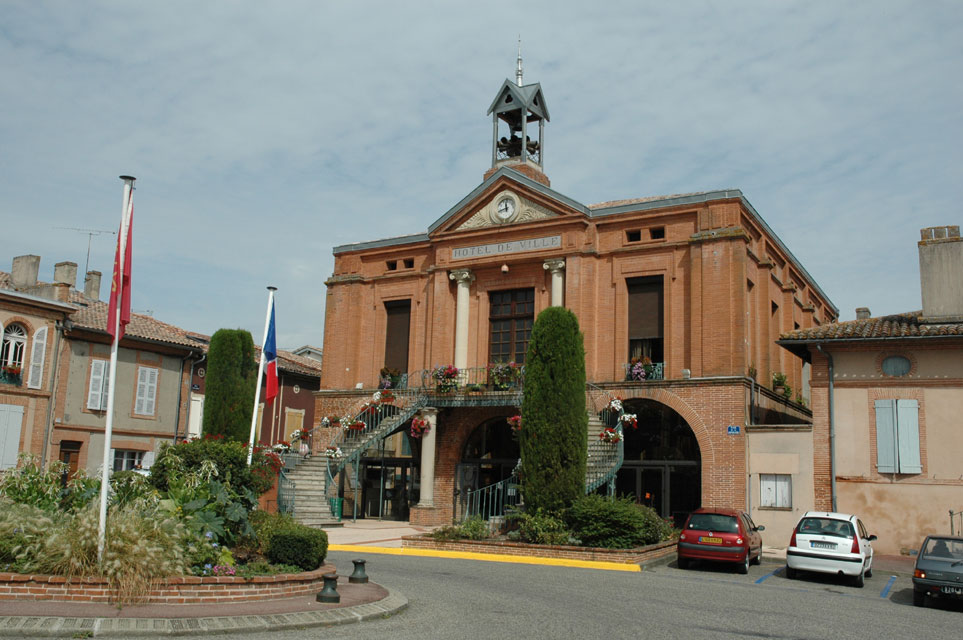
x=330, y=591
x=359, y=576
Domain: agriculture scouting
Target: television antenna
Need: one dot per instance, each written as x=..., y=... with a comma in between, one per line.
x=90, y=236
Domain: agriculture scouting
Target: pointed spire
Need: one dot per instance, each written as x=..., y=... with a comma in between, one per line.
x=518, y=70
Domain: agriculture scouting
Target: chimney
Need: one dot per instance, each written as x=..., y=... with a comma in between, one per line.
x=92, y=285
x=65, y=273
x=24, y=272
x=862, y=313
x=941, y=268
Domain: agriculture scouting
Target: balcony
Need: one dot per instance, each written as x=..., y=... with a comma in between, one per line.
x=642, y=371
x=10, y=375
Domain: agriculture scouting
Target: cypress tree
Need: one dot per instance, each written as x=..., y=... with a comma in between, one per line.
x=230, y=381
x=554, y=432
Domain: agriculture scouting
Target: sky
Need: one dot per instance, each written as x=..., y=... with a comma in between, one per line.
x=263, y=134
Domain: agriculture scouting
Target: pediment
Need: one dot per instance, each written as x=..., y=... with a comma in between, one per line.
x=488, y=214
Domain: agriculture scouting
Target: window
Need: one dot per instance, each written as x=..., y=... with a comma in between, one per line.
x=36, y=358
x=511, y=316
x=97, y=391
x=11, y=355
x=646, y=317
x=898, y=436
x=146, y=391
x=392, y=265
x=775, y=491
x=127, y=459
x=633, y=236
x=896, y=366
x=409, y=263
x=657, y=233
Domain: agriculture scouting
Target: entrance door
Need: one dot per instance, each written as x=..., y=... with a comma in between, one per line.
x=387, y=488
x=70, y=456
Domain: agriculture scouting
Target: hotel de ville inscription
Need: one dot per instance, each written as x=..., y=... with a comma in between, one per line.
x=513, y=246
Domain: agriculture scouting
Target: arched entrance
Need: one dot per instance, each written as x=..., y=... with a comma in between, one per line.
x=489, y=455
x=663, y=464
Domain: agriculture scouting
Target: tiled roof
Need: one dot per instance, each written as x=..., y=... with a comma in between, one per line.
x=902, y=325
x=92, y=314
x=4, y=280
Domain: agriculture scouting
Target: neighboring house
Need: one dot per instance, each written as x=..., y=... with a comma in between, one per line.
x=308, y=351
x=153, y=372
x=694, y=289
x=887, y=400
x=31, y=330
x=293, y=408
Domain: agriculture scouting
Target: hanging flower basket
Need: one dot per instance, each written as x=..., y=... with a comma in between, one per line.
x=282, y=446
x=515, y=422
x=629, y=420
x=610, y=435
x=335, y=453
x=615, y=404
x=419, y=427
x=503, y=375
x=446, y=378
x=357, y=425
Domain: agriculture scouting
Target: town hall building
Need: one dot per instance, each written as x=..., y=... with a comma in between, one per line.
x=681, y=299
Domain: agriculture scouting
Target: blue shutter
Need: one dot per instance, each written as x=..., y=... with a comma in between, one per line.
x=908, y=430
x=886, y=436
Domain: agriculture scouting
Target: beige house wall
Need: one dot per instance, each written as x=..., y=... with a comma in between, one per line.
x=782, y=451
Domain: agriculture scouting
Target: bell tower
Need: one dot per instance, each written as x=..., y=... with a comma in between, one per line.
x=516, y=111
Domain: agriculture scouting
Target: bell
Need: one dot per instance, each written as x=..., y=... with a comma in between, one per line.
x=330, y=591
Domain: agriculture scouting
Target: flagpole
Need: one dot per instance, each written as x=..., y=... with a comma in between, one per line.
x=112, y=387
x=260, y=373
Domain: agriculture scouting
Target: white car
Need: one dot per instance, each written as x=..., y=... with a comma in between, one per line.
x=827, y=542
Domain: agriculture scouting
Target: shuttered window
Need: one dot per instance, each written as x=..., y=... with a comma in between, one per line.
x=97, y=392
x=11, y=419
x=898, y=436
x=146, y=391
x=775, y=490
x=37, y=352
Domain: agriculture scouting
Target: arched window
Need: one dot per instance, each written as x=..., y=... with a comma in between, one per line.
x=11, y=356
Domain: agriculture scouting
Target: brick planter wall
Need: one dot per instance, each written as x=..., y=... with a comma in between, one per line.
x=179, y=590
x=638, y=555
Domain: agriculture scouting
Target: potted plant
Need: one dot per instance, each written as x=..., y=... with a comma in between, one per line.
x=419, y=427
x=474, y=389
x=446, y=378
x=610, y=435
x=515, y=422
x=779, y=382
x=390, y=378
x=502, y=375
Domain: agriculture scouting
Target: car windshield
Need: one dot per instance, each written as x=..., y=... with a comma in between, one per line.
x=826, y=527
x=713, y=522
x=943, y=549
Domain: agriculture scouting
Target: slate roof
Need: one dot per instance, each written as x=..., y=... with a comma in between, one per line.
x=619, y=203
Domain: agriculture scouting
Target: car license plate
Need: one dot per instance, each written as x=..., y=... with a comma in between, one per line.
x=822, y=545
x=708, y=540
x=956, y=590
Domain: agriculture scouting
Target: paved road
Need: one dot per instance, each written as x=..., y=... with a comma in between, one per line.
x=462, y=598
x=467, y=599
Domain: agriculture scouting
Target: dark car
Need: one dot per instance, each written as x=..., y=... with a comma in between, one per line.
x=939, y=569
x=720, y=535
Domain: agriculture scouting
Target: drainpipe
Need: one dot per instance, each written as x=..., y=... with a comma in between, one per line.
x=54, y=379
x=832, y=428
x=180, y=391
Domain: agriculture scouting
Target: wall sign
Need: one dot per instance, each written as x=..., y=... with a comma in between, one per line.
x=733, y=430
x=512, y=246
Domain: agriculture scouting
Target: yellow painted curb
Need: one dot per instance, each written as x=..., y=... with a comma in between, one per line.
x=488, y=557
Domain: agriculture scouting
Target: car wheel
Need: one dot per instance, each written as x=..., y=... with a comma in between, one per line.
x=919, y=599
x=758, y=558
x=683, y=563
x=791, y=573
x=744, y=567
x=869, y=572
x=858, y=581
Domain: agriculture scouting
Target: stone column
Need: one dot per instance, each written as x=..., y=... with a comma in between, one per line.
x=464, y=278
x=427, y=498
x=556, y=266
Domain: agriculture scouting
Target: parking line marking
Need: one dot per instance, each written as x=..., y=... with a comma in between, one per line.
x=886, y=589
x=769, y=575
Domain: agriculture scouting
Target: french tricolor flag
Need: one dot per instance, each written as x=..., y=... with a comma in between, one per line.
x=270, y=360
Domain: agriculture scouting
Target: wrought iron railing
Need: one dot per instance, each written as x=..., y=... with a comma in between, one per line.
x=502, y=377
x=639, y=372
x=605, y=458
x=493, y=501
x=286, y=486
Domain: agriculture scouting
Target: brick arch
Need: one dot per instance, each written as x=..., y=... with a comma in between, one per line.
x=707, y=452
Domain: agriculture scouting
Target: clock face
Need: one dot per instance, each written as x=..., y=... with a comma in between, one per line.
x=505, y=209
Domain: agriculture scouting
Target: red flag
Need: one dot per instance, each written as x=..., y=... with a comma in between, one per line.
x=120, y=286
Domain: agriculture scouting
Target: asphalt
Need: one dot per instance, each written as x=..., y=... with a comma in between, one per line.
x=359, y=602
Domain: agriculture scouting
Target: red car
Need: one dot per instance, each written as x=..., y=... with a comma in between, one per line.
x=720, y=535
